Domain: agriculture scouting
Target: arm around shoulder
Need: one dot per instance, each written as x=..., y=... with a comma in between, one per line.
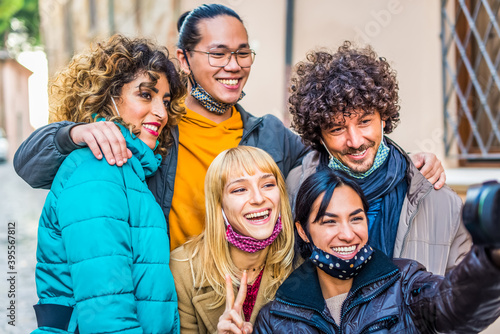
x=40, y=156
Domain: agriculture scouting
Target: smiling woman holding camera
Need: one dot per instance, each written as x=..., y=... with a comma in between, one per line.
x=355, y=288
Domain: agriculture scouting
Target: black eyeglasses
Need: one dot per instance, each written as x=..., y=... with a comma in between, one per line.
x=220, y=57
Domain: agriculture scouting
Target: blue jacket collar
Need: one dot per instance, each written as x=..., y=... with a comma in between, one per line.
x=292, y=290
x=149, y=161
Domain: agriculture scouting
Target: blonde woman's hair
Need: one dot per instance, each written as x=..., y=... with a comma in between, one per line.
x=211, y=247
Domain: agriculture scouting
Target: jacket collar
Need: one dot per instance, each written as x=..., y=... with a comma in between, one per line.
x=418, y=185
x=292, y=291
x=249, y=121
x=148, y=160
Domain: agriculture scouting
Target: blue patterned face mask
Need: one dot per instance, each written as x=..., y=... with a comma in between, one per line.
x=340, y=268
x=209, y=103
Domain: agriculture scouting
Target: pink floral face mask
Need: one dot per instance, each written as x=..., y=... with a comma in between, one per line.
x=249, y=244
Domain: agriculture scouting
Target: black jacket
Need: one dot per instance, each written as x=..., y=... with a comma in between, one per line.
x=39, y=157
x=390, y=297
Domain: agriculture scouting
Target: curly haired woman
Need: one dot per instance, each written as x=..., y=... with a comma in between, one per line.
x=103, y=245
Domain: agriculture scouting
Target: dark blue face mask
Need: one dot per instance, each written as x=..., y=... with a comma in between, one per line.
x=340, y=268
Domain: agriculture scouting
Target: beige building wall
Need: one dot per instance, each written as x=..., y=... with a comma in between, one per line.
x=404, y=32
x=70, y=26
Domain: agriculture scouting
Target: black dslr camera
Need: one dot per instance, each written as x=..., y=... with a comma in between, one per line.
x=481, y=213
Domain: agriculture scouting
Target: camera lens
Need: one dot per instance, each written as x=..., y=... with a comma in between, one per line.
x=489, y=205
x=481, y=213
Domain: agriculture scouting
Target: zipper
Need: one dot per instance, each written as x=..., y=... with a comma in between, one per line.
x=384, y=323
x=410, y=221
x=289, y=316
x=379, y=291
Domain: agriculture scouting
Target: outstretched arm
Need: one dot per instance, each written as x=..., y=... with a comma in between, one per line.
x=40, y=156
x=466, y=300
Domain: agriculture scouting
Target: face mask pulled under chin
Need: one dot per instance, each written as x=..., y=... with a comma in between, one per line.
x=249, y=244
x=209, y=103
x=340, y=268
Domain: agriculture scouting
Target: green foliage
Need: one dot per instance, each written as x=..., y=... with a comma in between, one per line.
x=25, y=13
x=7, y=9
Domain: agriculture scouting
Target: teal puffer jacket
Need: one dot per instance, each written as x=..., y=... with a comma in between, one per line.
x=103, y=246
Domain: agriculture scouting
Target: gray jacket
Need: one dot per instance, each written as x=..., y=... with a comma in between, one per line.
x=39, y=157
x=430, y=226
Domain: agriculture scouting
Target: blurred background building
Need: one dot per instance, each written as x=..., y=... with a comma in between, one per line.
x=14, y=107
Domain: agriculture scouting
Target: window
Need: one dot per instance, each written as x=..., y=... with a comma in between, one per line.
x=471, y=58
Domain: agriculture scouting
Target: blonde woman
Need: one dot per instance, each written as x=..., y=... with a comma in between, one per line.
x=247, y=244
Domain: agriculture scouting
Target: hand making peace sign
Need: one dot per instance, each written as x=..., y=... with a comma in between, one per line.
x=231, y=321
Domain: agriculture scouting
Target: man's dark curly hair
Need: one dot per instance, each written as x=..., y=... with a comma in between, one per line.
x=351, y=80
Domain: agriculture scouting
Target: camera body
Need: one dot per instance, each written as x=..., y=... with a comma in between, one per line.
x=481, y=213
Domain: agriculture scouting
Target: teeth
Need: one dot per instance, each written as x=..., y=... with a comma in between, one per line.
x=230, y=82
x=357, y=154
x=262, y=214
x=344, y=250
x=151, y=127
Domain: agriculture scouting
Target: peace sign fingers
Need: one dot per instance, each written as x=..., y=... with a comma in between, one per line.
x=242, y=293
x=231, y=320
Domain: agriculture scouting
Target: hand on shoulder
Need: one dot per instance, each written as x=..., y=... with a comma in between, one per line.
x=102, y=138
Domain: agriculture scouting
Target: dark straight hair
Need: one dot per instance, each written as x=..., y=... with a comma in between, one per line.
x=187, y=25
x=324, y=181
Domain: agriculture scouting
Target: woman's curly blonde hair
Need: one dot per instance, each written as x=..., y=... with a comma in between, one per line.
x=83, y=91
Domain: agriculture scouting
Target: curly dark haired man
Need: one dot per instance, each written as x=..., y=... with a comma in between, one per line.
x=342, y=104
